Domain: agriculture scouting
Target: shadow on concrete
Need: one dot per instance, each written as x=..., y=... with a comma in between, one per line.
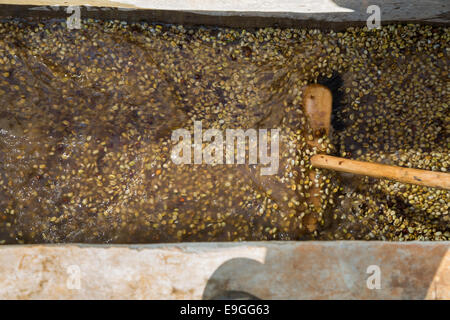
x=335, y=270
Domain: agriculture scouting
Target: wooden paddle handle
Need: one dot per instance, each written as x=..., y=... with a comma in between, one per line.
x=377, y=170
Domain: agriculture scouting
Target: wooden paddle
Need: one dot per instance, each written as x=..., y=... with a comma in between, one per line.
x=317, y=102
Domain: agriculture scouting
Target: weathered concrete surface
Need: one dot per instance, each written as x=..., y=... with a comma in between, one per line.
x=247, y=13
x=275, y=270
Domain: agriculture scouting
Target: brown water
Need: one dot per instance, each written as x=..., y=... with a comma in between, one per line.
x=86, y=119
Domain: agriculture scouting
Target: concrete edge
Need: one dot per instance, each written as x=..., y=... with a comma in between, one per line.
x=245, y=13
x=274, y=270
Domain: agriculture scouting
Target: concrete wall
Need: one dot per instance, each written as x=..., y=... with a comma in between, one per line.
x=275, y=270
x=335, y=14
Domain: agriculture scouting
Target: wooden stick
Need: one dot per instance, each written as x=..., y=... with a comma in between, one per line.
x=377, y=170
